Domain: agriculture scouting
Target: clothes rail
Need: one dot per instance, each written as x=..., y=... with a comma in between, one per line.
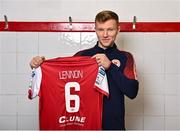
x=19, y=26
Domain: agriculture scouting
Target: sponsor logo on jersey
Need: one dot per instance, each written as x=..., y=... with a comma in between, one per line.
x=72, y=120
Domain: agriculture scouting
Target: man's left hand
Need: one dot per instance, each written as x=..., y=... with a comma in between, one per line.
x=102, y=60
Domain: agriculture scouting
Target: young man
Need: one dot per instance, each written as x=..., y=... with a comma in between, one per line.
x=119, y=66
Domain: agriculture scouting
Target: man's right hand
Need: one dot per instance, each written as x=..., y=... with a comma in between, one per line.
x=36, y=61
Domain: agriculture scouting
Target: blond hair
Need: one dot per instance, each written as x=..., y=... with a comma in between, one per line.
x=105, y=15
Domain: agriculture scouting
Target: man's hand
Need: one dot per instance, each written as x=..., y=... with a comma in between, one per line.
x=36, y=61
x=102, y=60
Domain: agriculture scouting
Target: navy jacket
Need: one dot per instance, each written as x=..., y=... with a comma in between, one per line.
x=121, y=82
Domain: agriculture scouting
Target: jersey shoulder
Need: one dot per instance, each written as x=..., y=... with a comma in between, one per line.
x=130, y=66
x=127, y=54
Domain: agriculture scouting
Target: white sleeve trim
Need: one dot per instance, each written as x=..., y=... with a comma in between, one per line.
x=36, y=82
x=101, y=82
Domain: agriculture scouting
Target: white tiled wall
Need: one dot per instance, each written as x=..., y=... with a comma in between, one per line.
x=80, y=10
x=157, y=57
x=158, y=64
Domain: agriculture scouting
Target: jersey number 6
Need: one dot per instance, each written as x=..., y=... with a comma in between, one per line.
x=69, y=97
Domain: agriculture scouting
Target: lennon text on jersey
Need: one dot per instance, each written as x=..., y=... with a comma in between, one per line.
x=71, y=74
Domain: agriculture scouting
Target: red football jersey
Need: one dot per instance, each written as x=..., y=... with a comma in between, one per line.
x=70, y=91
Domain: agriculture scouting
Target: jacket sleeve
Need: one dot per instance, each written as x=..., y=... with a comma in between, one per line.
x=126, y=81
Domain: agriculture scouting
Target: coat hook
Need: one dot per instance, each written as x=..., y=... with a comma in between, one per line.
x=6, y=22
x=70, y=23
x=134, y=23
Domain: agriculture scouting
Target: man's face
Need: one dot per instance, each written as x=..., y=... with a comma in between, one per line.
x=106, y=33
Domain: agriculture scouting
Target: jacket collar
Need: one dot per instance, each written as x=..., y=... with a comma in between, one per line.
x=105, y=50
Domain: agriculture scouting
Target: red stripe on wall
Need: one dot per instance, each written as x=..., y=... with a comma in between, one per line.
x=87, y=26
